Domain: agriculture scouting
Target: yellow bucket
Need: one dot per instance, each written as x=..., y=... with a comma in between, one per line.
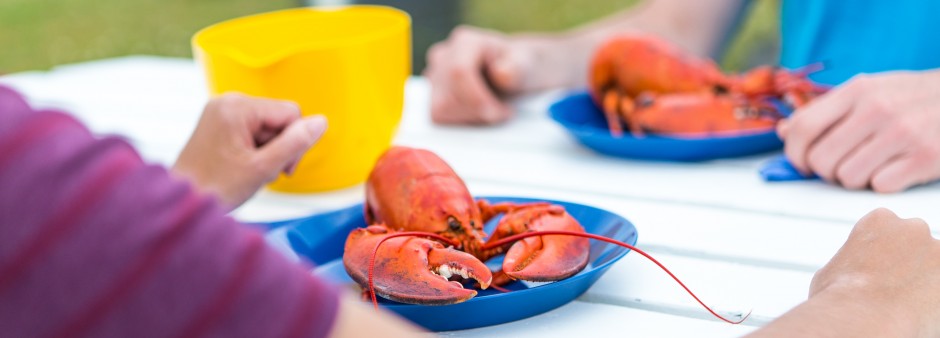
x=348, y=63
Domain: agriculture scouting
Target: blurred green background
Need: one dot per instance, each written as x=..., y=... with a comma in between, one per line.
x=39, y=34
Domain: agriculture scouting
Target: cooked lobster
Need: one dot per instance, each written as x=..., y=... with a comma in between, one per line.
x=416, y=191
x=653, y=86
x=426, y=236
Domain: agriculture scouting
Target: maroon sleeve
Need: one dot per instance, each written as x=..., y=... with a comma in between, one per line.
x=94, y=243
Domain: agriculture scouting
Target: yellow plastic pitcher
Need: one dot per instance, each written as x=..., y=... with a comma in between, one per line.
x=348, y=63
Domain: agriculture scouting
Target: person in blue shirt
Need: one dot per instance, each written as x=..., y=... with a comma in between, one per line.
x=879, y=128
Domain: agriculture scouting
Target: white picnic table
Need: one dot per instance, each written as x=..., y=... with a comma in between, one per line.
x=740, y=243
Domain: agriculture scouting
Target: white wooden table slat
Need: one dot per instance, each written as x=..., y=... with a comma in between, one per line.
x=746, y=238
x=729, y=289
x=601, y=320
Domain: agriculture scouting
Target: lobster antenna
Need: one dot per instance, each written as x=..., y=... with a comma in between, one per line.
x=516, y=237
x=811, y=68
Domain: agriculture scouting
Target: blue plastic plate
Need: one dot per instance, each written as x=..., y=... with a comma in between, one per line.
x=320, y=238
x=779, y=169
x=578, y=114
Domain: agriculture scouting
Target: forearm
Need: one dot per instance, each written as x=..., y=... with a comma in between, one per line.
x=696, y=26
x=842, y=314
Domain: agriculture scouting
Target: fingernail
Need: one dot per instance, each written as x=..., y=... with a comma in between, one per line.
x=291, y=105
x=782, y=127
x=315, y=124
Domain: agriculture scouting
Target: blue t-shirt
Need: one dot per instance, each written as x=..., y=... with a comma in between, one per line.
x=860, y=36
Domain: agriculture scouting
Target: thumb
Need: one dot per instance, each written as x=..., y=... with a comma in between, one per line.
x=290, y=144
x=507, y=71
x=783, y=128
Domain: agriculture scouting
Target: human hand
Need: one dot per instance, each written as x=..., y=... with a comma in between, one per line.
x=893, y=264
x=242, y=143
x=881, y=283
x=880, y=131
x=471, y=70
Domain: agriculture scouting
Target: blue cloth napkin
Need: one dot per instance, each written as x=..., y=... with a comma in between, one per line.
x=780, y=169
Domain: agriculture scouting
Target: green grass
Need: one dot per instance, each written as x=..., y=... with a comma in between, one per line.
x=38, y=34
x=539, y=15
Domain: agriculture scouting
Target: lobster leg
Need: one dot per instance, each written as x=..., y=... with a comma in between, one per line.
x=410, y=269
x=611, y=110
x=541, y=258
x=488, y=210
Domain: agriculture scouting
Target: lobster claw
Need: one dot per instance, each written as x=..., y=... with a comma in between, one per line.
x=411, y=269
x=542, y=258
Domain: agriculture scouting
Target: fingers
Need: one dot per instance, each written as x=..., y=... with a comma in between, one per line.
x=844, y=137
x=271, y=115
x=459, y=91
x=471, y=89
x=261, y=114
x=898, y=175
x=807, y=125
x=857, y=169
x=506, y=70
x=288, y=146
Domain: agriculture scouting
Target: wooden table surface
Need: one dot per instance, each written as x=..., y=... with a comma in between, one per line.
x=739, y=242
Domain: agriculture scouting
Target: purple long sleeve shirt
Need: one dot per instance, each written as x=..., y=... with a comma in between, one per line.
x=94, y=243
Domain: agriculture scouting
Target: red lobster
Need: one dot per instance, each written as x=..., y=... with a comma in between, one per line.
x=414, y=190
x=417, y=204
x=653, y=86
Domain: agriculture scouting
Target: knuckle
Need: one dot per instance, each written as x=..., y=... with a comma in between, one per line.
x=898, y=132
x=887, y=185
x=879, y=108
x=929, y=152
x=918, y=222
x=814, y=156
x=228, y=101
x=819, y=161
x=459, y=73
x=463, y=32
x=859, y=83
x=436, y=52
x=232, y=97
x=850, y=179
x=881, y=213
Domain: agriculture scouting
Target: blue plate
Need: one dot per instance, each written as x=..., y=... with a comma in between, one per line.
x=320, y=238
x=779, y=169
x=578, y=114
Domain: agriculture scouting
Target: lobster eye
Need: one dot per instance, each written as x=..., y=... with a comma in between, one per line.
x=453, y=223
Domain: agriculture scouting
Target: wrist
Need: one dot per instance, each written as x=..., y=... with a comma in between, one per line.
x=871, y=311
x=557, y=60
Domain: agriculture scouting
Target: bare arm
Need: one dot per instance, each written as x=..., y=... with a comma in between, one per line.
x=697, y=26
x=473, y=68
x=358, y=319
